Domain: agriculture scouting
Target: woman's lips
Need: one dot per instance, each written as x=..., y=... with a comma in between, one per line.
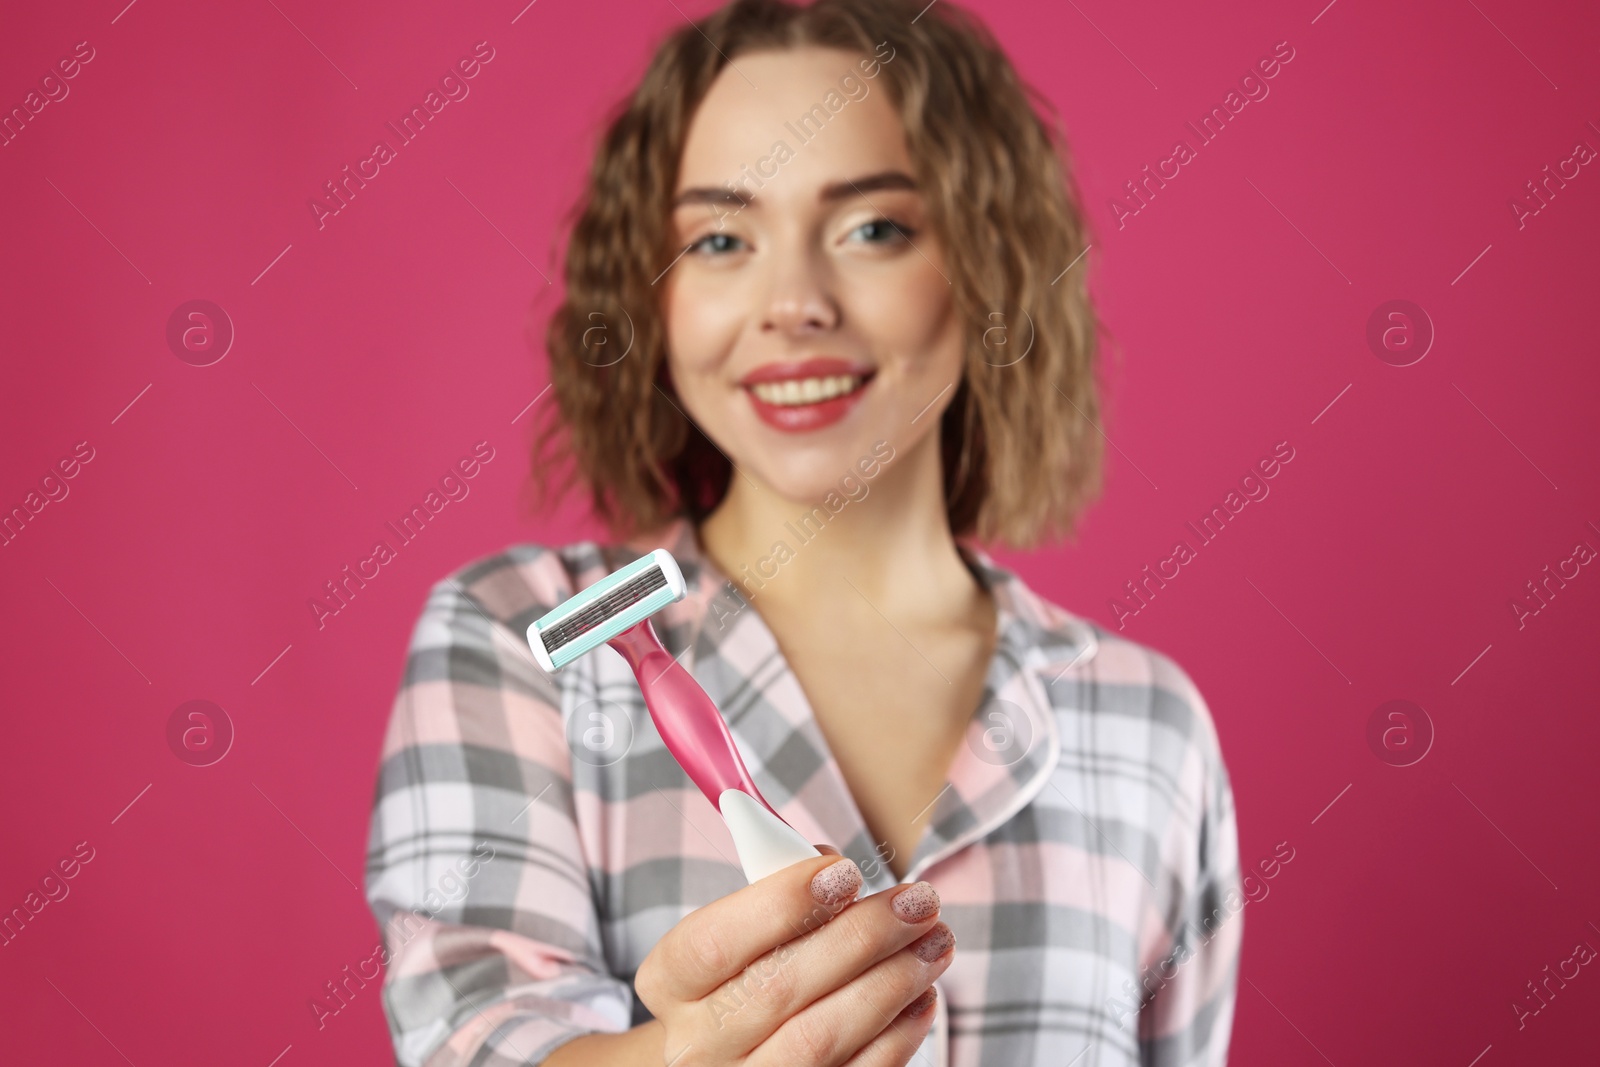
x=799, y=418
x=815, y=367
x=795, y=400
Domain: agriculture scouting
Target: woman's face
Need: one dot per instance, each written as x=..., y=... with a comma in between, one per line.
x=826, y=280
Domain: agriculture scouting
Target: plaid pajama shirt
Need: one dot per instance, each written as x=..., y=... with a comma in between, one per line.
x=532, y=839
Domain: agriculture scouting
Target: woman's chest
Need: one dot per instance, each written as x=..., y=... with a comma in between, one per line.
x=893, y=723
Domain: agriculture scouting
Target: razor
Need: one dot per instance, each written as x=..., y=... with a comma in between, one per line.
x=616, y=611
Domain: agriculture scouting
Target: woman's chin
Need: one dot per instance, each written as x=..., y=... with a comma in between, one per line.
x=829, y=481
x=805, y=494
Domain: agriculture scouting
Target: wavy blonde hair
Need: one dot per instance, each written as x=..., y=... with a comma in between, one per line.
x=1020, y=446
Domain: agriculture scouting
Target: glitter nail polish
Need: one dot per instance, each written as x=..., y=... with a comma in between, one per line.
x=916, y=903
x=933, y=944
x=923, y=1004
x=836, y=883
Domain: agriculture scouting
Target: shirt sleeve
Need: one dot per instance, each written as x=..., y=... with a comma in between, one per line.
x=475, y=871
x=1188, y=1019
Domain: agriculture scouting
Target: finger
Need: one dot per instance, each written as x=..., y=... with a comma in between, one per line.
x=827, y=848
x=784, y=981
x=716, y=942
x=880, y=947
x=896, y=1044
x=837, y=1026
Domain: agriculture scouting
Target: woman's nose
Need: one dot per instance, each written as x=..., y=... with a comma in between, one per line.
x=800, y=300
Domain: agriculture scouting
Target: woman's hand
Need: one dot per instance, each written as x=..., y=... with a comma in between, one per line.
x=788, y=972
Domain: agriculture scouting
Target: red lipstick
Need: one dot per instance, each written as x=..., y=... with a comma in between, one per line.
x=808, y=415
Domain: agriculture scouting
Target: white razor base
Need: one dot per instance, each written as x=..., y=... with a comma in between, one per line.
x=765, y=842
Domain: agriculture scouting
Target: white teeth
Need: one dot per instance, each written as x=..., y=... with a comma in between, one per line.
x=806, y=390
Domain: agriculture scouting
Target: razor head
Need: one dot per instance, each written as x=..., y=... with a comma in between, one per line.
x=615, y=603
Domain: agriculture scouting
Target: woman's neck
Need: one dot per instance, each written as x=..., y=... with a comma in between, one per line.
x=893, y=544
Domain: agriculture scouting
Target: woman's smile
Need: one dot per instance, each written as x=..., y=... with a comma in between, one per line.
x=809, y=394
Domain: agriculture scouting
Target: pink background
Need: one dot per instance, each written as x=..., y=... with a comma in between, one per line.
x=373, y=353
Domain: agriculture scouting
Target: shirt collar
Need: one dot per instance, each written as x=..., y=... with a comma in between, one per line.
x=1012, y=743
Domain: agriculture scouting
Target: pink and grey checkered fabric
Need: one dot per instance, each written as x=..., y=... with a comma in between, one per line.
x=532, y=839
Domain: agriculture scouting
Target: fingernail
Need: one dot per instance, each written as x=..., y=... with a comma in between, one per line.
x=829, y=849
x=916, y=903
x=836, y=883
x=923, y=1004
x=935, y=943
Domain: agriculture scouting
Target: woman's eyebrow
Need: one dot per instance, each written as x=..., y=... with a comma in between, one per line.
x=713, y=194
x=871, y=183
x=710, y=194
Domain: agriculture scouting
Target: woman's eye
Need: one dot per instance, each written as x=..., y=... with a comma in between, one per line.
x=718, y=242
x=880, y=231
x=888, y=231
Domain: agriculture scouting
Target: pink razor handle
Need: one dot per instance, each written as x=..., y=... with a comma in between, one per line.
x=698, y=738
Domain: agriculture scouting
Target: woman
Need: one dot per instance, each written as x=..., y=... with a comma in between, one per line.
x=820, y=337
